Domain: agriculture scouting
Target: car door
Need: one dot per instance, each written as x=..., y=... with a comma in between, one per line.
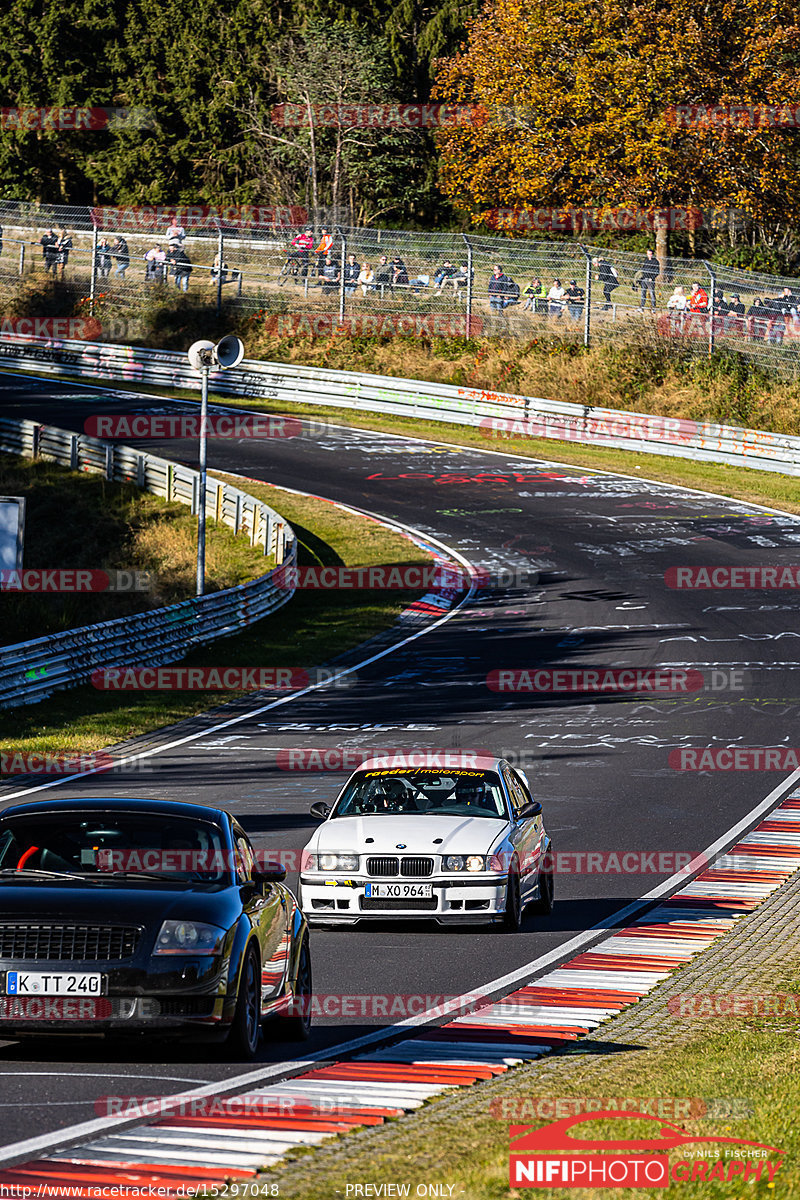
x=528, y=831
x=266, y=909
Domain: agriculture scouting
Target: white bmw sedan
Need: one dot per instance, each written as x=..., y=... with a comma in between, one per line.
x=410, y=838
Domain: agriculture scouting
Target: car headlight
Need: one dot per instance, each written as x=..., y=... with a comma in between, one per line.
x=332, y=862
x=189, y=937
x=462, y=862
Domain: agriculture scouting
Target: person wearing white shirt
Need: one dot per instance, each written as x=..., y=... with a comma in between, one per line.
x=555, y=298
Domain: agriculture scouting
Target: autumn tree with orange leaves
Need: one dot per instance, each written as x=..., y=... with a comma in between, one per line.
x=594, y=88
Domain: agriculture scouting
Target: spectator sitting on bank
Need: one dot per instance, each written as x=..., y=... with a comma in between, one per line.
x=555, y=298
x=500, y=290
x=574, y=297
x=446, y=271
x=698, y=300
x=49, y=253
x=399, y=272
x=787, y=302
x=366, y=278
x=63, y=247
x=607, y=275
x=176, y=235
x=154, y=262
x=352, y=270
x=419, y=283
x=534, y=292
x=181, y=268
x=219, y=270
x=122, y=256
x=648, y=273
x=384, y=273
x=103, y=259
x=330, y=275
x=678, y=301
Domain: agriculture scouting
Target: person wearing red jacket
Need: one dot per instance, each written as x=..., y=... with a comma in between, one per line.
x=698, y=301
x=302, y=245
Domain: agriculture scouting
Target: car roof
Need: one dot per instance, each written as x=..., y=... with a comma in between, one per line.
x=173, y=808
x=433, y=760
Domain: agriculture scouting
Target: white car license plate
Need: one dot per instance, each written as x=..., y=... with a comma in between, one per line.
x=53, y=983
x=399, y=891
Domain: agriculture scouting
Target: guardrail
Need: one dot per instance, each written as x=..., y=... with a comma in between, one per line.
x=497, y=413
x=31, y=671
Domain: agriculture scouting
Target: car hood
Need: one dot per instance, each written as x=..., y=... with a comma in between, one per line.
x=115, y=904
x=415, y=834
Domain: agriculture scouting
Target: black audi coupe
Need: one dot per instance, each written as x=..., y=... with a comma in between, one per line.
x=148, y=916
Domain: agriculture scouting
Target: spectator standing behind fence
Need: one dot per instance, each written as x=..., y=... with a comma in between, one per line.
x=366, y=277
x=384, y=274
x=501, y=290
x=352, y=270
x=649, y=271
x=734, y=316
x=302, y=245
x=49, y=253
x=698, y=300
x=607, y=275
x=154, y=263
x=181, y=268
x=103, y=258
x=330, y=275
x=534, y=294
x=122, y=256
x=555, y=299
x=176, y=235
x=219, y=269
x=323, y=249
x=63, y=247
x=574, y=297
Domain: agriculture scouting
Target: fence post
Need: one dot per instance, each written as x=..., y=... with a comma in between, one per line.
x=220, y=250
x=343, y=236
x=587, y=312
x=21, y=257
x=93, y=283
x=711, y=299
x=468, y=244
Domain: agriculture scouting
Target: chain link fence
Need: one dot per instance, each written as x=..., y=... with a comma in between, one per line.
x=367, y=281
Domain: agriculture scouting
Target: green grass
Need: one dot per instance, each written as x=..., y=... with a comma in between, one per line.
x=311, y=629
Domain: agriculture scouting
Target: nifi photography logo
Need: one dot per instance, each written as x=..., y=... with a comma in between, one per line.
x=548, y=1156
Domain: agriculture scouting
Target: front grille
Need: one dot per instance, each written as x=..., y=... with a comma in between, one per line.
x=68, y=943
x=386, y=867
x=369, y=903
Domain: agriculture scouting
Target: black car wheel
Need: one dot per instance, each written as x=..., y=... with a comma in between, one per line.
x=297, y=1027
x=242, y=1040
x=544, y=905
x=513, y=914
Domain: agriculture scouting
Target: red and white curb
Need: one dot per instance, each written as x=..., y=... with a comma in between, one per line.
x=560, y=1006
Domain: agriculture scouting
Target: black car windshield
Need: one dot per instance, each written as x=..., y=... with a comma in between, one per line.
x=100, y=844
x=456, y=792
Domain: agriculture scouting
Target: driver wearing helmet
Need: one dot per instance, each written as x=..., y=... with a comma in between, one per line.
x=473, y=793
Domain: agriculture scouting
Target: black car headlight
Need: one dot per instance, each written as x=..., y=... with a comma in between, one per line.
x=189, y=937
x=332, y=862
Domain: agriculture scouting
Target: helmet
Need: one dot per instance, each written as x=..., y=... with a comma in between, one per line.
x=473, y=791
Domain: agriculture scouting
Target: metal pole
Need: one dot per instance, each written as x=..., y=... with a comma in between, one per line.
x=587, y=319
x=711, y=309
x=220, y=245
x=21, y=257
x=201, y=503
x=468, y=244
x=92, y=285
x=343, y=236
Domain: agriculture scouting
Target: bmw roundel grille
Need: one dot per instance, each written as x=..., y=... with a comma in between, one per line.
x=408, y=866
x=65, y=943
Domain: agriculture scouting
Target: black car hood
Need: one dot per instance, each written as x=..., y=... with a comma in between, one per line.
x=107, y=903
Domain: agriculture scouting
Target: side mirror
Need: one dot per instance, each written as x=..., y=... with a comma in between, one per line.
x=529, y=810
x=320, y=810
x=271, y=872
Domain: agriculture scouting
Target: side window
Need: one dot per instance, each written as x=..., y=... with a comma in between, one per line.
x=515, y=790
x=243, y=859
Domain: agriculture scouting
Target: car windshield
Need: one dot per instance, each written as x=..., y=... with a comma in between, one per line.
x=106, y=843
x=461, y=793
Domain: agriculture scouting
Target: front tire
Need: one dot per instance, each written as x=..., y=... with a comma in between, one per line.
x=512, y=918
x=245, y=1030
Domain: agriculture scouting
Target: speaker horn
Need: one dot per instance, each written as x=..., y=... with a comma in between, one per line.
x=230, y=351
x=200, y=354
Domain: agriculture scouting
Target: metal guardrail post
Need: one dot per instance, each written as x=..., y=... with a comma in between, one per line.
x=711, y=300
x=470, y=273
x=93, y=283
x=343, y=236
x=587, y=318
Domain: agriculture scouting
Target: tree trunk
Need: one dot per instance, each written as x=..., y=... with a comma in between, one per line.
x=661, y=223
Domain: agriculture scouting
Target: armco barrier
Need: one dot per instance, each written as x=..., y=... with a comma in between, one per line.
x=433, y=401
x=31, y=671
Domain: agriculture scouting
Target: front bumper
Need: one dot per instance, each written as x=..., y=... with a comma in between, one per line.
x=452, y=901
